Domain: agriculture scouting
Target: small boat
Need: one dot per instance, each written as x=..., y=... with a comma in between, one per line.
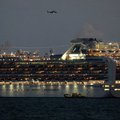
x=74, y=95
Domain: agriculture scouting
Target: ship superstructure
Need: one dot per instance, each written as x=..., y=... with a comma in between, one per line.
x=82, y=47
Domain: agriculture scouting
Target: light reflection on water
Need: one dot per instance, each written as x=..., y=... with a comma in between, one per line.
x=19, y=90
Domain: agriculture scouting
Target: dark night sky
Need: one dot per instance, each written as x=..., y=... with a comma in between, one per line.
x=27, y=23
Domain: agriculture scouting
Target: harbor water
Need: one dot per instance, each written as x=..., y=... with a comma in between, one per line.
x=33, y=102
x=16, y=90
x=54, y=108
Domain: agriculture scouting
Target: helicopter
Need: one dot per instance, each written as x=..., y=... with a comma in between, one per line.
x=51, y=11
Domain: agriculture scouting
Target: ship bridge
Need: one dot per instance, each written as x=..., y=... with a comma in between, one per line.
x=80, y=48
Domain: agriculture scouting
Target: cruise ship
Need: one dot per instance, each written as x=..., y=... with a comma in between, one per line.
x=88, y=62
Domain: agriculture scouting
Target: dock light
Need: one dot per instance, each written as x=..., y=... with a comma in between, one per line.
x=75, y=85
x=113, y=85
x=117, y=89
x=17, y=86
x=106, y=89
x=67, y=86
x=91, y=83
x=85, y=88
x=59, y=86
x=3, y=86
x=11, y=86
x=107, y=86
x=51, y=86
x=51, y=83
x=22, y=86
x=43, y=86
